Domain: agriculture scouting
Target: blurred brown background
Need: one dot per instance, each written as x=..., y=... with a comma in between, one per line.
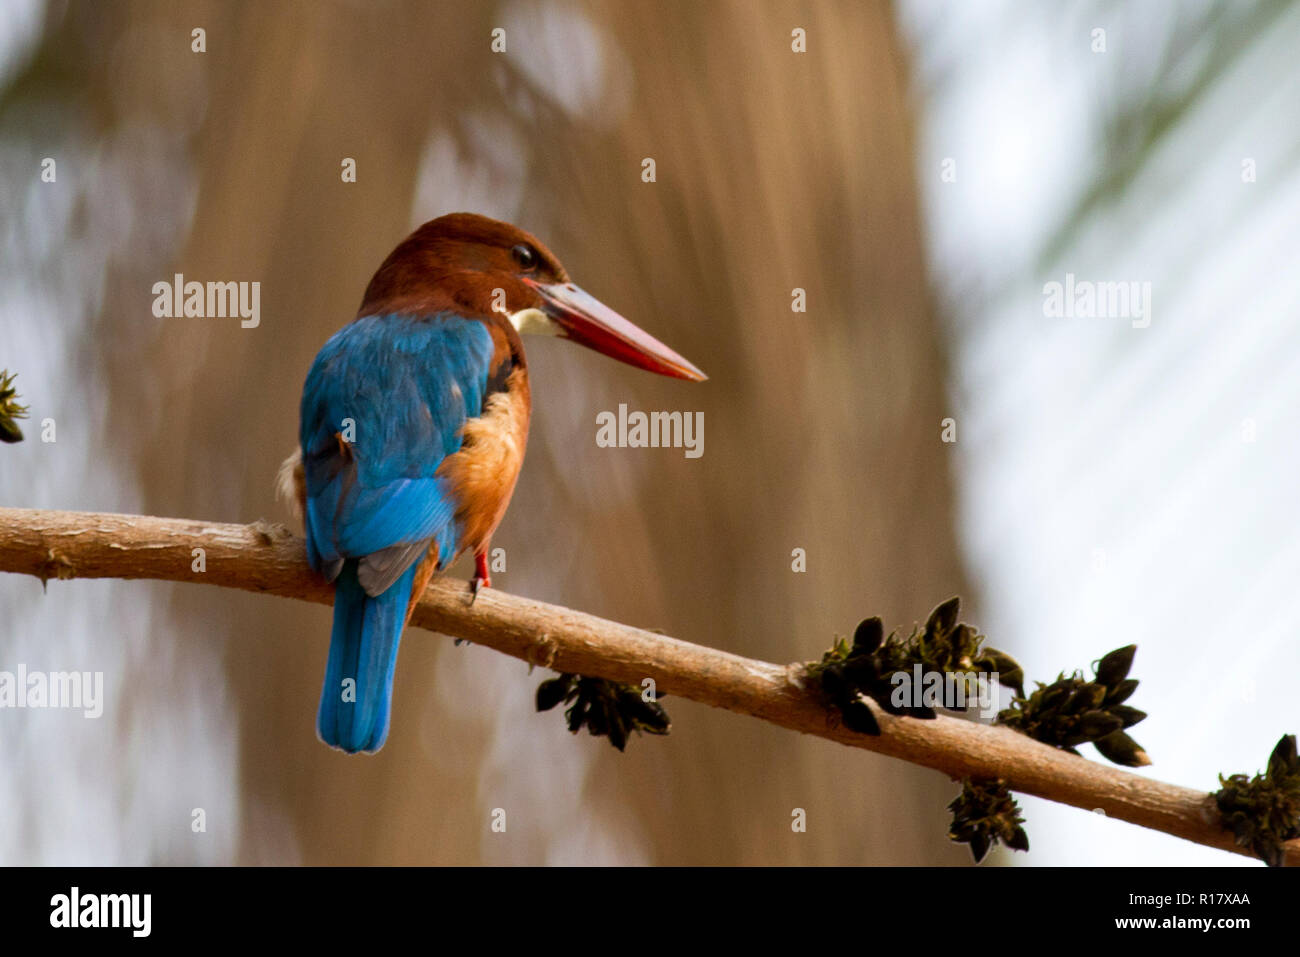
x=775, y=170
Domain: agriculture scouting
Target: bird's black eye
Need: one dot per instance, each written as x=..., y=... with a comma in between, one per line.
x=524, y=255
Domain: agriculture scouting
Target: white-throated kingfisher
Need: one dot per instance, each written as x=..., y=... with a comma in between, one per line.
x=413, y=424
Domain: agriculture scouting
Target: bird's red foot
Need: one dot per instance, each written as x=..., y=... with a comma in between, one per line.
x=482, y=578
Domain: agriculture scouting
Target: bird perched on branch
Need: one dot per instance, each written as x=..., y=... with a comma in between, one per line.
x=413, y=424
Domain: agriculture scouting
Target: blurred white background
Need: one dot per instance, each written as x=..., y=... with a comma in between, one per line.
x=1123, y=484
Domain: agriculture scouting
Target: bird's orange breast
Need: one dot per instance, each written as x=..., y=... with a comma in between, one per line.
x=482, y=474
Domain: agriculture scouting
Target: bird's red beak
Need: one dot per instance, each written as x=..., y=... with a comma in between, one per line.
x=588, y=321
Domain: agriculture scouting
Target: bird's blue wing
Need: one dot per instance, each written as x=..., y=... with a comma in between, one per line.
x=384, y=404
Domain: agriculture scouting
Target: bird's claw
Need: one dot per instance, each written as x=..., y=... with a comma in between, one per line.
x=476, y=583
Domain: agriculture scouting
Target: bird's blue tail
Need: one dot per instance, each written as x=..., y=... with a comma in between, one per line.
x=354, y=714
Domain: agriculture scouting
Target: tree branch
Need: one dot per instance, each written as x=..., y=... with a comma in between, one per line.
x=269, y=558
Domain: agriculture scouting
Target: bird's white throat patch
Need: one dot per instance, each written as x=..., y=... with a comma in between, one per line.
x=534, y=322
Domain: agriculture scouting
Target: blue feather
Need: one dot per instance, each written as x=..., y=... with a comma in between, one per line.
x=397, y=388
x=402, y=386
x=363, y=647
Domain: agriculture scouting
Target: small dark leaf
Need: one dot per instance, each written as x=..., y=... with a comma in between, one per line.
x=1053, y=696
x=1122, y=691
x=647, y=715
x=1130, y=716
x=1084, y=697
x=858, y=717
x=944, y=618
x=577, y=715
x=1098, y=724
x=597, y=720
x=868, y=636
x=833, y=682
x=1123, y=750
x=1284, y=760
x=1010, y=674
x=552, y=692
x=1019, y=840
x=617, y=731
x=963, y=642
x=859, y=671
x=1114, y=667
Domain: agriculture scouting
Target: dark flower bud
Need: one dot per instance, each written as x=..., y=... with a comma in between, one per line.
x=1010, y=674
x=1284, y=760
x=1123, y=750
x=617, y=731
x=1114, y=667
x=552, y=692
x=1130, y=716
x=858, y=717
x=1019, y=840
x=868, y=636
x=1122, y=691
x=1098, y=724
x=944, y=618
x=833, y=682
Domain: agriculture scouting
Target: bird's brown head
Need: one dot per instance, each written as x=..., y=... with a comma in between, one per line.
x=484, y=268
